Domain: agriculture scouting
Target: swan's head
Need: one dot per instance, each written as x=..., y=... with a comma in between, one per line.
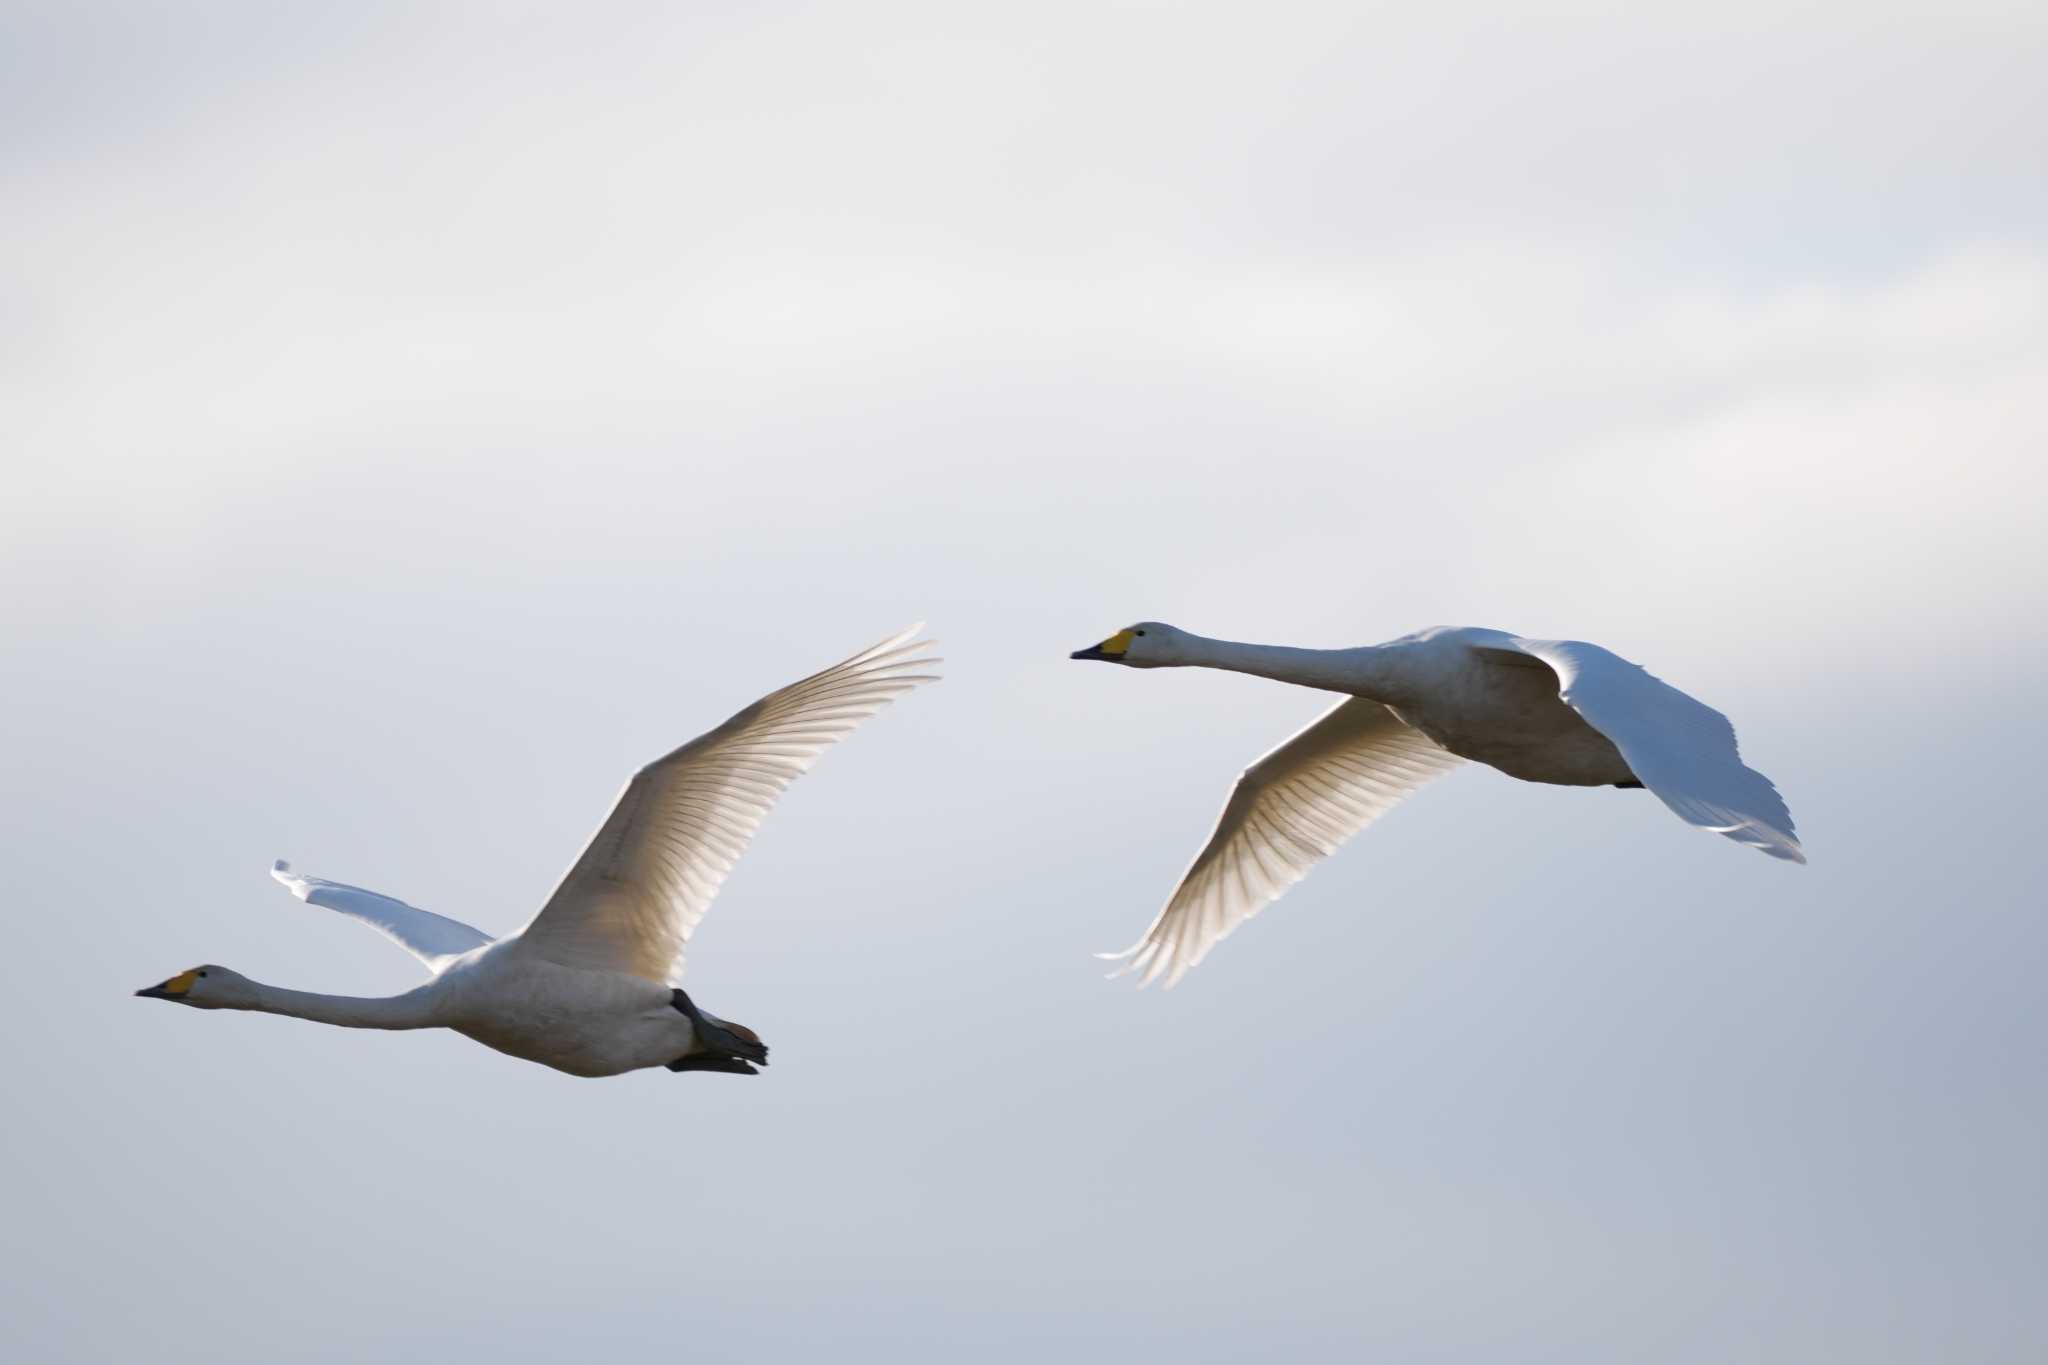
x=207, y=988
x=1148, y=644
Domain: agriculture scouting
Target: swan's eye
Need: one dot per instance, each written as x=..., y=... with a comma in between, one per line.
x=202, y=974
x=1137, y=632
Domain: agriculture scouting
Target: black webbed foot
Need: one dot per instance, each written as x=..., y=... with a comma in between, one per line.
x=727, y=1046
x=711, y=1061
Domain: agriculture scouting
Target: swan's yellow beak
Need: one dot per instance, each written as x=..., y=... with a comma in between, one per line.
x=1109, y=651
x=173, y=989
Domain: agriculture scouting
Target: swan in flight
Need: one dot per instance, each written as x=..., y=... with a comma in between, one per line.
x=589, y=986
x=1557, y=711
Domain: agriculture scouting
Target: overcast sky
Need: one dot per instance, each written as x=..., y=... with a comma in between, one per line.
x=415, y=417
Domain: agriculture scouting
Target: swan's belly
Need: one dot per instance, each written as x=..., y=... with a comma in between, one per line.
x=1523, y=730
x=582, y=1022
x=588, y=1045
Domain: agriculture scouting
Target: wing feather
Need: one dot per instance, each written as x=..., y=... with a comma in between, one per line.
x=1289, y=811
x=631, y=901
x=1680, y=748
x=434, y=939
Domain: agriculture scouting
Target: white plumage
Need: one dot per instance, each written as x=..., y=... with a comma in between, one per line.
x=588, y=987
x=1555, y=711
x=434, y=939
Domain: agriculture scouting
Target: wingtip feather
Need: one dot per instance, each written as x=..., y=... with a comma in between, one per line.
x=281, y=872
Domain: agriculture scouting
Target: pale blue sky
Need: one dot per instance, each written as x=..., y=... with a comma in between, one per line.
x=418, y=416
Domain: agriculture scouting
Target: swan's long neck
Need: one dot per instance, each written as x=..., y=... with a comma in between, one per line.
x=414, y=1009
x=1363, y=672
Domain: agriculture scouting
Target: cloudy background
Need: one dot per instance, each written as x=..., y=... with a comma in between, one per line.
x=414, y=417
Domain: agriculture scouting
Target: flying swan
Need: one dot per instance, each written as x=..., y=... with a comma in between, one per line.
x=589, y=986
x=1557, y=711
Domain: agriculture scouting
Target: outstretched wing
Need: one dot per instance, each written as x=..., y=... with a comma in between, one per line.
x=434, y=939
x=1288, y=812
x=1680, y=748
x=651, y=871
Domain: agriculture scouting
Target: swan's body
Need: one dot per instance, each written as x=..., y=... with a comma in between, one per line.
x=588, y=987
x=1562, y=712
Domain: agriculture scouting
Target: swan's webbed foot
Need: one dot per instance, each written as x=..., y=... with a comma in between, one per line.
x=721, y=1039
x=711, y=1061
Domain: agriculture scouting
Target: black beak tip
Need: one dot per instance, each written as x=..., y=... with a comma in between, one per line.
x=153, y=993
x=1092, y=652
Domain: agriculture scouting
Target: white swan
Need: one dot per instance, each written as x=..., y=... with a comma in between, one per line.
x=588, y=987
x=1558, y=711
